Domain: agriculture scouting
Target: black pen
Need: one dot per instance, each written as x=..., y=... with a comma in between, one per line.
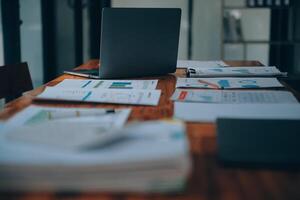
x=81, y=74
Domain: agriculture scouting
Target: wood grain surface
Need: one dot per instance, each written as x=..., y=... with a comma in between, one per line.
x=209, y=179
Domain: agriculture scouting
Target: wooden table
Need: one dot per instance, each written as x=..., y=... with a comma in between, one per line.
x=208, y=180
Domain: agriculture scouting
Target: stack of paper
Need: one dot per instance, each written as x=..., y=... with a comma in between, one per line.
x=149, y=157
x=135, y=92
x=227, y=83
x=234, y=72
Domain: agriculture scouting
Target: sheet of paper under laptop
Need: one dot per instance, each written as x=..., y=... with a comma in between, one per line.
x=114, y=96
x=227, y=83
x=234, y=72
x=233, y=96
x=200, y=64
x=108, y=84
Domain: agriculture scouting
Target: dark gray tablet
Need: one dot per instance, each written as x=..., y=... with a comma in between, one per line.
x=139, y=42
x=258, y=141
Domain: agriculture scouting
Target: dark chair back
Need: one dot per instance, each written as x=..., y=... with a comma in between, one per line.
x=14, y=80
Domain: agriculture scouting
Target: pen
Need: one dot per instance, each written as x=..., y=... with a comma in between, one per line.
x=81, y=74
x=70, y=114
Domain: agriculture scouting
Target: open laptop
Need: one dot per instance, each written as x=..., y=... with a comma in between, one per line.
x=137, y=42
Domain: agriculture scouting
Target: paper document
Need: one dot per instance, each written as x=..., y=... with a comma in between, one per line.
x=233, y=96
x=72, y=135
x=154, y=157
x=234, y=72
x=200, y=64
x=227, y=83
x=115, y=96
x=67, y=128
x=207, y=112
x=108, y=84
x=33, y=115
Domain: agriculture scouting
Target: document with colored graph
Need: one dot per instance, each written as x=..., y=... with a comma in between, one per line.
x=233, y=96
x=235, y=72
x=108, y=84
x=228, y=83
x=114, y=96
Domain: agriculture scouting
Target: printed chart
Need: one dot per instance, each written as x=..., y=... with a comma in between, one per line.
x=108, y=84
x=227, y=83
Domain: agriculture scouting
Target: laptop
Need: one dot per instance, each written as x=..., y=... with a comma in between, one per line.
x=137, y=42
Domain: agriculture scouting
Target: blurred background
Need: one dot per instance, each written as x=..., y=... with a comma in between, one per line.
x=56, y=35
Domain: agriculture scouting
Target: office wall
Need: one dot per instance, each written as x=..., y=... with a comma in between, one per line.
x=208, y=32
x=256, y=28
x=31, y=39
x=237, y=3
x=65, y=40
x=183, y=4
x=207, y=24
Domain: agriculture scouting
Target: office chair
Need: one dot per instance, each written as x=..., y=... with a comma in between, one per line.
x=14, y=80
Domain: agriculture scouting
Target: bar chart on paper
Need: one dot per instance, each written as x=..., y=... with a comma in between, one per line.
x=108, y=84
x=235, y=72
x=115, y=96
x=227, y=83
x=121, y=85
x=234, y=96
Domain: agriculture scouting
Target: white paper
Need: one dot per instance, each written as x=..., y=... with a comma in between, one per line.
x=233, y=96
x=34, y=115
x=234, y=72
x=115, y=96
x=207, y=112
x=108, y=84
x=227, y=83
x=149, y=141
x=200, y=64
x=68, y=135
x=68, y=128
